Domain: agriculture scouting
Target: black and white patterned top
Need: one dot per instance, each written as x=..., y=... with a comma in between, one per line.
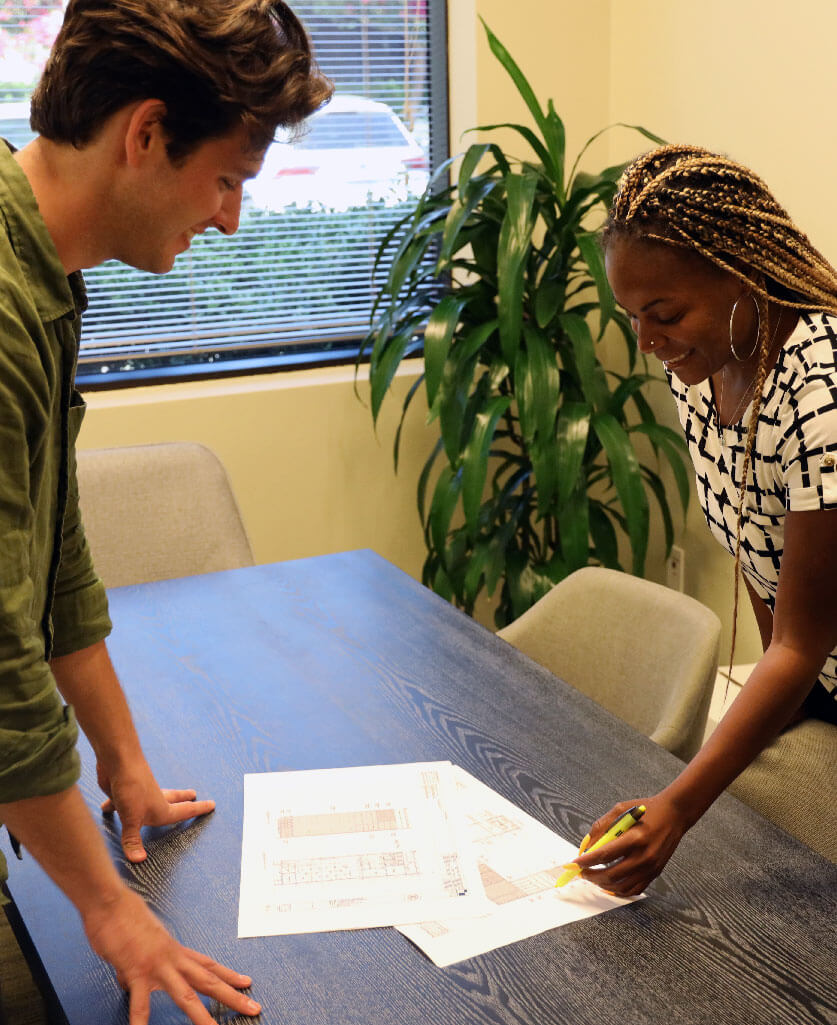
x=794, y=458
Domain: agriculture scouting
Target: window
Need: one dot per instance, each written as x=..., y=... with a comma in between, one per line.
x=294, y=285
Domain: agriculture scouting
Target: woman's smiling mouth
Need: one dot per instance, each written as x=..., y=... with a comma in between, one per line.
x=670, y=364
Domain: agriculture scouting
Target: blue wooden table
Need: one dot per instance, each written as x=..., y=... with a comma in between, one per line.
x=344, y=660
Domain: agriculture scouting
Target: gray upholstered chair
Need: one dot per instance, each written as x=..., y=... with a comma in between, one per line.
x=643, y=651
x=153, y=512
x=793, y=782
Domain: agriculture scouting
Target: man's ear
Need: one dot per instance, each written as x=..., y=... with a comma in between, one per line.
x=144, y=132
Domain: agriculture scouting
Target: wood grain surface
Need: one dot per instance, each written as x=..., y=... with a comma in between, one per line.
x=344, y=660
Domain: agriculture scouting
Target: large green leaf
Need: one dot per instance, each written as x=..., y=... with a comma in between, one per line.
x=424, y=477
x=470, y=161
x=538, y=388
x=627, y=387
x=588, y=245
x=556, y=140
x=476, y=569
x=399, y=228
x=617, y=124
x=627, y=479
x=548, y=300
x=571, y=442
x=437, y=341
x=496, y=561
x=455, y=558
x=512, y=251
x=441, y=583
x=603, y=535
x=574, y=527
x=406, y=262
x=445, y=497
x=396, y=446
x=457, y=218
x=526, y=583
x=673, y=447
x=382, y=370
x=525, y=131
x=469, y=196
x=591, y=375
x=629, y=336
x=475, y=459
x=483, y=241
x=451, y=399
x=537, y=385
x=658, y=490
x=550, y=125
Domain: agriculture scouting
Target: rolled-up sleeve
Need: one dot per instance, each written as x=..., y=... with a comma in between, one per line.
x=37, y=732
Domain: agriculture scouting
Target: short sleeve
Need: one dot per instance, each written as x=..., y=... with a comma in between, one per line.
x=809, y=452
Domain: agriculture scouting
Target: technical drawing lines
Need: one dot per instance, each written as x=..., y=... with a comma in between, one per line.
x=335, y=823
x=487, y=825
x=500, y=890
x=294, y=872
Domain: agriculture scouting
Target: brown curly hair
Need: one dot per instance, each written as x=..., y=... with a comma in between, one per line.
x=215, y=64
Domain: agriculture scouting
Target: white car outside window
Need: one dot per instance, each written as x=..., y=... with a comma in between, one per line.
x=353, y=151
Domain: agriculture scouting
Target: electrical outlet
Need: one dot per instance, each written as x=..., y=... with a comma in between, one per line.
x=676, y=568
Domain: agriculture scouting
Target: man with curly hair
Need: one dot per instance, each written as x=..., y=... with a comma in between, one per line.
x=150, y=114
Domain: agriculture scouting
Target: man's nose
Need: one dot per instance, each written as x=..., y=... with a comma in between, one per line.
x=229, y=213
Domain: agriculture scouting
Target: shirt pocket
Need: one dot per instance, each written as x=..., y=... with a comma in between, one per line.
x=78, y=407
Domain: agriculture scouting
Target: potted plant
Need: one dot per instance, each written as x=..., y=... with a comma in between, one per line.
x=535, y=472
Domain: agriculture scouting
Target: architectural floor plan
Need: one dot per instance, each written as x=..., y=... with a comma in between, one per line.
x=349, y=848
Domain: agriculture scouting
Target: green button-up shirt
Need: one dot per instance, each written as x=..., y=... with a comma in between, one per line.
x=51, y=601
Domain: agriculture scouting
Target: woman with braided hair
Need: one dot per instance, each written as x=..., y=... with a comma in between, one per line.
x=741, y=310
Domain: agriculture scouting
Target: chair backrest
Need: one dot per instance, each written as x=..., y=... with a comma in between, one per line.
x=153, y=512
x=645, y=652
x=793, y=783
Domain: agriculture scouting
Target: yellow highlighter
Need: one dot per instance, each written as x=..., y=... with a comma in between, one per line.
x=620, y=826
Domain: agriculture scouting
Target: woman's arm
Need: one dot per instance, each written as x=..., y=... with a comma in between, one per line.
x=764, y=617
x=803, y=635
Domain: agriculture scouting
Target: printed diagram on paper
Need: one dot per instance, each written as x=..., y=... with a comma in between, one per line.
x=519, y=860
x=352, y=848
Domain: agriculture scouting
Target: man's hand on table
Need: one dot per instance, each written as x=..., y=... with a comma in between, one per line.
x=58, y=830
x=125, y=933
x=134, y=795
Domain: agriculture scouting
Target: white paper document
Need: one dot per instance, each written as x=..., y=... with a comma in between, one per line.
x=519, y=861
x=352, y=848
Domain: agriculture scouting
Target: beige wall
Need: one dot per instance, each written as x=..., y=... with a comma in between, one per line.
x=754, y=79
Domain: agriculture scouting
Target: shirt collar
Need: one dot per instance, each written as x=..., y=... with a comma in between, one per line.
x=53, y=292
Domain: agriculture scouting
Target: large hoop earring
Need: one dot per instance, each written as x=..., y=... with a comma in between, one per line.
x=743, y=359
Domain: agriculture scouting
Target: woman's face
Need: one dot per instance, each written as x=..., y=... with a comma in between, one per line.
x=681, y=303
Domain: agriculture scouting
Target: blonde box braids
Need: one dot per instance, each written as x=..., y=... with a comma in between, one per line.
x=688, y=197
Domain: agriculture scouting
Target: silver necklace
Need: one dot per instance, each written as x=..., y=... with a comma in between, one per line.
x=747, y=394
